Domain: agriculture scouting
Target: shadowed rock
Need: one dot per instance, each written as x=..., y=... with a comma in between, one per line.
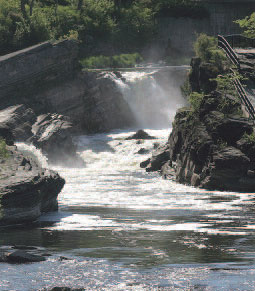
x=19, y=119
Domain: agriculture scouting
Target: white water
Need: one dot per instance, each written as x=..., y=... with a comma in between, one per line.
x=153, y=105
x=126, y=229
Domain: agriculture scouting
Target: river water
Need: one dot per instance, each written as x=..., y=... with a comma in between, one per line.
x=120, y=228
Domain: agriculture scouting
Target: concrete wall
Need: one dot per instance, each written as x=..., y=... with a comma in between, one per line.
x=181, y=33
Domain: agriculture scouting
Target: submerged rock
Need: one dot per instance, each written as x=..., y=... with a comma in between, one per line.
x=140, y=134
x=20, y=257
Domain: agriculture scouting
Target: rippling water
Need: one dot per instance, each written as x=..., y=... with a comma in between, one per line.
x=125, y=229
x=120, y=228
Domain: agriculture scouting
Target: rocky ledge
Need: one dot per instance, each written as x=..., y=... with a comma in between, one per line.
x=26, y=189
x=213, y=148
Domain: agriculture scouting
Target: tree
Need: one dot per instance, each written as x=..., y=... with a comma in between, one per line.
x=248, y=24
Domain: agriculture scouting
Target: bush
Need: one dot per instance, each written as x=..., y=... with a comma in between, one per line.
x=249, y=138
x=206, y=48
x=195, y=100
x=118, y=61
x=3, y=149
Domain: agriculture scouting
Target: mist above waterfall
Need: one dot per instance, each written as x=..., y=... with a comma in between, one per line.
x=154, y=95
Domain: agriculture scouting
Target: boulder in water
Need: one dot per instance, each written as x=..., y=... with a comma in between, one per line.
x=158, y=159
x=143, y=151
x=52, y=134
x=26, y=189
x=140, y=134
x=20, y=257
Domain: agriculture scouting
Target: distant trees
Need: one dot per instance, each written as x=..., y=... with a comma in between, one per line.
x=124, y=24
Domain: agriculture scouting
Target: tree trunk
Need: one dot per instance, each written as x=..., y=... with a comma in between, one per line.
x=80, y=3
x=23, y=8
x=32, y=2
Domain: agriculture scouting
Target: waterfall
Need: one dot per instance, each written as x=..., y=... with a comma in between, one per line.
x=154, y=95
x=35, y=153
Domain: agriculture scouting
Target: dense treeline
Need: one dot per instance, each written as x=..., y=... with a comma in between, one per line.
x=124, y=24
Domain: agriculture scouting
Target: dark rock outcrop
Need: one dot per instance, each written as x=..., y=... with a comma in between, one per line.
x=158, y=159
x=19, y=119
x=210, y=150
x=202, y=75
x=26, y=189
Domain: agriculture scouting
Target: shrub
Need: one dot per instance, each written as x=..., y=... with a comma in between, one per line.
x=206, y=48
x=3, y=149
x=118, y=61
x=195, y=100
x=249, y=138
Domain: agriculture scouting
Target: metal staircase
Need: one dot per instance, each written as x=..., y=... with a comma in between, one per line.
x=227, y=44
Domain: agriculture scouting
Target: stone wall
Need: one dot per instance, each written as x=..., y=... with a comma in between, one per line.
x=26, y=72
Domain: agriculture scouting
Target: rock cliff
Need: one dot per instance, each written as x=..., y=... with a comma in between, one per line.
x=212, y=146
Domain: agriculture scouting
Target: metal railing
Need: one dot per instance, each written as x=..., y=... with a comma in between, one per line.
x=226, y=47
x=240, y=41
x=223, y=44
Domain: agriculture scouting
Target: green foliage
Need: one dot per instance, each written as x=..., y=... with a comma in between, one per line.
x=225, y=83
x=248, y=25
x=186, y=88
x=206, y=48
x=118, y=61
x=3, y=149
x=195, y=100
x=249, y=138
x=126, y=25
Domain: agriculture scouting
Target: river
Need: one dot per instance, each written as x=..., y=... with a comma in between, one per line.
x=120, y=228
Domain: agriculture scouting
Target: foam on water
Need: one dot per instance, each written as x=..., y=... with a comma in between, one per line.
x=113, y=179
x=125, y=229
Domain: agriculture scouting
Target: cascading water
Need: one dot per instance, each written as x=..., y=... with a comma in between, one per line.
x=153, y=104
x=121, y=228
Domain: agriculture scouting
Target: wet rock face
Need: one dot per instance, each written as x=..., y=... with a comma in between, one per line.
x=26, y=189
x=103, y=107
x=53, y=135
